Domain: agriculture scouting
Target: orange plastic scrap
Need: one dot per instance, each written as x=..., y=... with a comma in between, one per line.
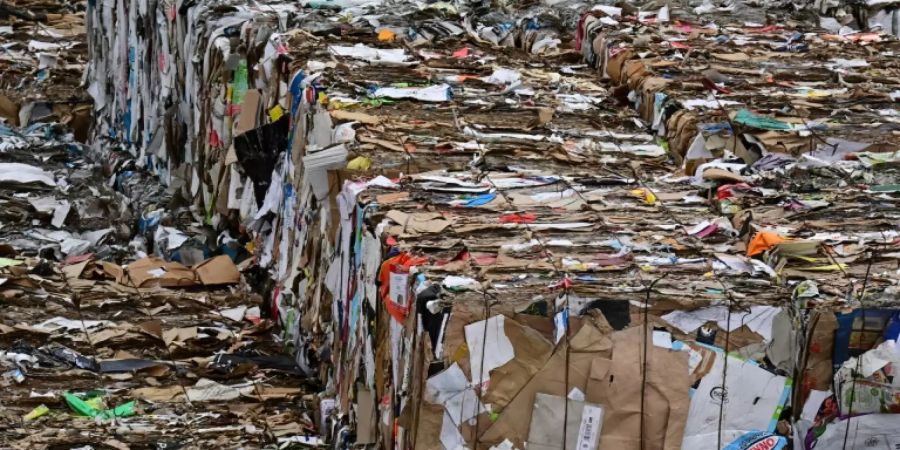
x=386, y=35
x=762, y=241
x=395, y=284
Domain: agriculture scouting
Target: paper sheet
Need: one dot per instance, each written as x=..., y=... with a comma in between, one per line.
x=363, y=52
x=446, y=384
x=503, y=77
x=695, y=103
x=662, y=339
x=236, y=314
x=555, y=420
x=887, y=352
x=317, y=165
x=698, y=149
x=759, y=319
x=505, y=445
x=399, y=288
x=576, y=394
x=735, y=263
x=58, y=323
x=663, y=15
x=751, y=397
x=464, y=406
x=813, y=403
x=49, y=205
x=610, y=10
x=454, y=282
x=873, y=431
x=173, y=237
x=25, y=174
x=41, y=45
x=206, y=390
x=436, y=93
x=496, y=351
x=451, y=438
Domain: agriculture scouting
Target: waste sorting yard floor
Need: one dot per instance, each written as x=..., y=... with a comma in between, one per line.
x=188, y=365
x=446, y=226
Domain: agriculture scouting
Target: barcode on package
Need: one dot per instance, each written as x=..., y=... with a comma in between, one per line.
x=589, y=431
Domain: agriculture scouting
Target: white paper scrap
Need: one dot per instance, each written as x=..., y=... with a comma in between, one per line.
x=399, y=288
x=759, y=319
x=436, y=93
x=750, y=396
x=360, y=51
x=60, y=323
x=451, y=389
x=871, y=431
x=576, y=394
x=662, y=339
x=451, y=438
x=492, y=347
x=236, y=314
x=25, y=174
x=505, y=445
x=663, y=15
x=454, y=282
x=813, y=403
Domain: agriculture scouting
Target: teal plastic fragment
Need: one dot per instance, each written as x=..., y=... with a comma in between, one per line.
x=745, y=117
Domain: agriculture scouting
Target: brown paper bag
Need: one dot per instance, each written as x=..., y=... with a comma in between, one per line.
x=666, y=399
x=532, y=352
x=513, y=423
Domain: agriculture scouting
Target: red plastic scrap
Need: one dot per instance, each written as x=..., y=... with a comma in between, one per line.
x=214, y=140
x=462, y=53
x=461, y=256
x=486, y=259
x=709, y=84
x=518, y=218
x=683, y=27
x=274, y=308
x=708, y=231
x=728, y=190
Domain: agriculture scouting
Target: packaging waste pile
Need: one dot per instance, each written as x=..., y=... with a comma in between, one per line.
x=869, y=15
x=43, y=52
x=103, y=347
x=597, y=227
x=127, y=321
